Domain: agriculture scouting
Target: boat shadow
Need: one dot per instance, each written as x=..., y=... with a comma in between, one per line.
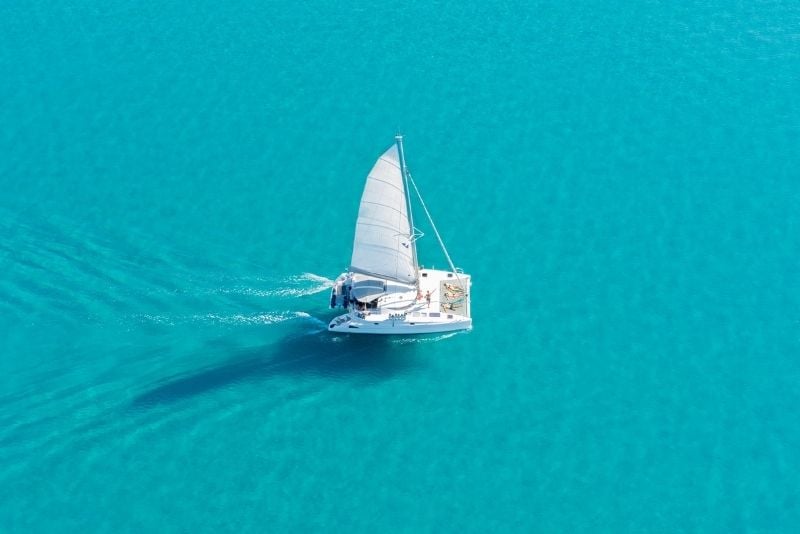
x=361, y=359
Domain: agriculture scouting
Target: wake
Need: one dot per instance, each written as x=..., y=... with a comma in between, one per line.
x=432, y=339
x=294, y=286
x=229, y=319
x=285, y=289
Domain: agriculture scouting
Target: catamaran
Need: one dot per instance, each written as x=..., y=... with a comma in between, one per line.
x=385, y=291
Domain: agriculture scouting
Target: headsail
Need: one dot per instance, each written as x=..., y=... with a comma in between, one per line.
x=383, y=245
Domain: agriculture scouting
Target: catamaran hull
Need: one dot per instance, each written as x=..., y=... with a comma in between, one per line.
x=440, y=304
x=347, y=324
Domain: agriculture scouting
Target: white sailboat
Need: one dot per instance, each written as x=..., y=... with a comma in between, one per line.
x=385, y=291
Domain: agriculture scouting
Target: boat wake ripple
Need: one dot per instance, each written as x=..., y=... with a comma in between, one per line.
x=229, y=319
x=293, y=286
x=431, y=339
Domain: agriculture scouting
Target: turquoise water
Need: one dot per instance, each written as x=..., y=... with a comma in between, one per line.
x=179, y=183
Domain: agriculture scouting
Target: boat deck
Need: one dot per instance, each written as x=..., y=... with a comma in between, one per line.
x=449, y=294
x=443, y=304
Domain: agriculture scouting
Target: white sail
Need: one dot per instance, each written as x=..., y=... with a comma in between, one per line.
x=382, y=244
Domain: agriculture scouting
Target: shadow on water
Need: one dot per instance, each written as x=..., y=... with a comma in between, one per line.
x=363, y=359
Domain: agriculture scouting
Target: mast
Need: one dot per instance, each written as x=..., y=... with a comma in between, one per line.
x=404, y=171
x=435, y=231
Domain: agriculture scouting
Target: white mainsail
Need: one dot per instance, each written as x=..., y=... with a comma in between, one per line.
x=383, y=246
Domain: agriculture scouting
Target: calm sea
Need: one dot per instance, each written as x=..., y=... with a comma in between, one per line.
x=179, y=183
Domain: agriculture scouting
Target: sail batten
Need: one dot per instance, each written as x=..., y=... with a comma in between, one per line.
x=382, y=243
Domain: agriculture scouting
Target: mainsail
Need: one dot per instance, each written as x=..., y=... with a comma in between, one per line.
x=383, y=246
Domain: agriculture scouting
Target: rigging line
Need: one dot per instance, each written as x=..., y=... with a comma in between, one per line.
x=435, y=231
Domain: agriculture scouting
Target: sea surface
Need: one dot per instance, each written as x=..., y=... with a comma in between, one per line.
x=179, y=183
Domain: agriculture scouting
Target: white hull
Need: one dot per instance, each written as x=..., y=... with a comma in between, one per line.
x=349, y=323
x=442, y=304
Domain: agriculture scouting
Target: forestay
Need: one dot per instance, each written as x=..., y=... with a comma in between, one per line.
x=382, y=244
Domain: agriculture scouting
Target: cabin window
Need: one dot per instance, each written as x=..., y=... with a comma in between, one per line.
x=435, y=314
x=424, y=275
x=449, y=316
x=449, y=275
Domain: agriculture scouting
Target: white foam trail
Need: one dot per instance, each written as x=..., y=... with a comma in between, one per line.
x=405, y=341
x=320, y=284
x=246, y=291
x=259, y=318
x=287, y=287
x=319, y=322
x=293, y=286
x=293, y=292
x=157, y=319
x=316, y=278
x=231, y=319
